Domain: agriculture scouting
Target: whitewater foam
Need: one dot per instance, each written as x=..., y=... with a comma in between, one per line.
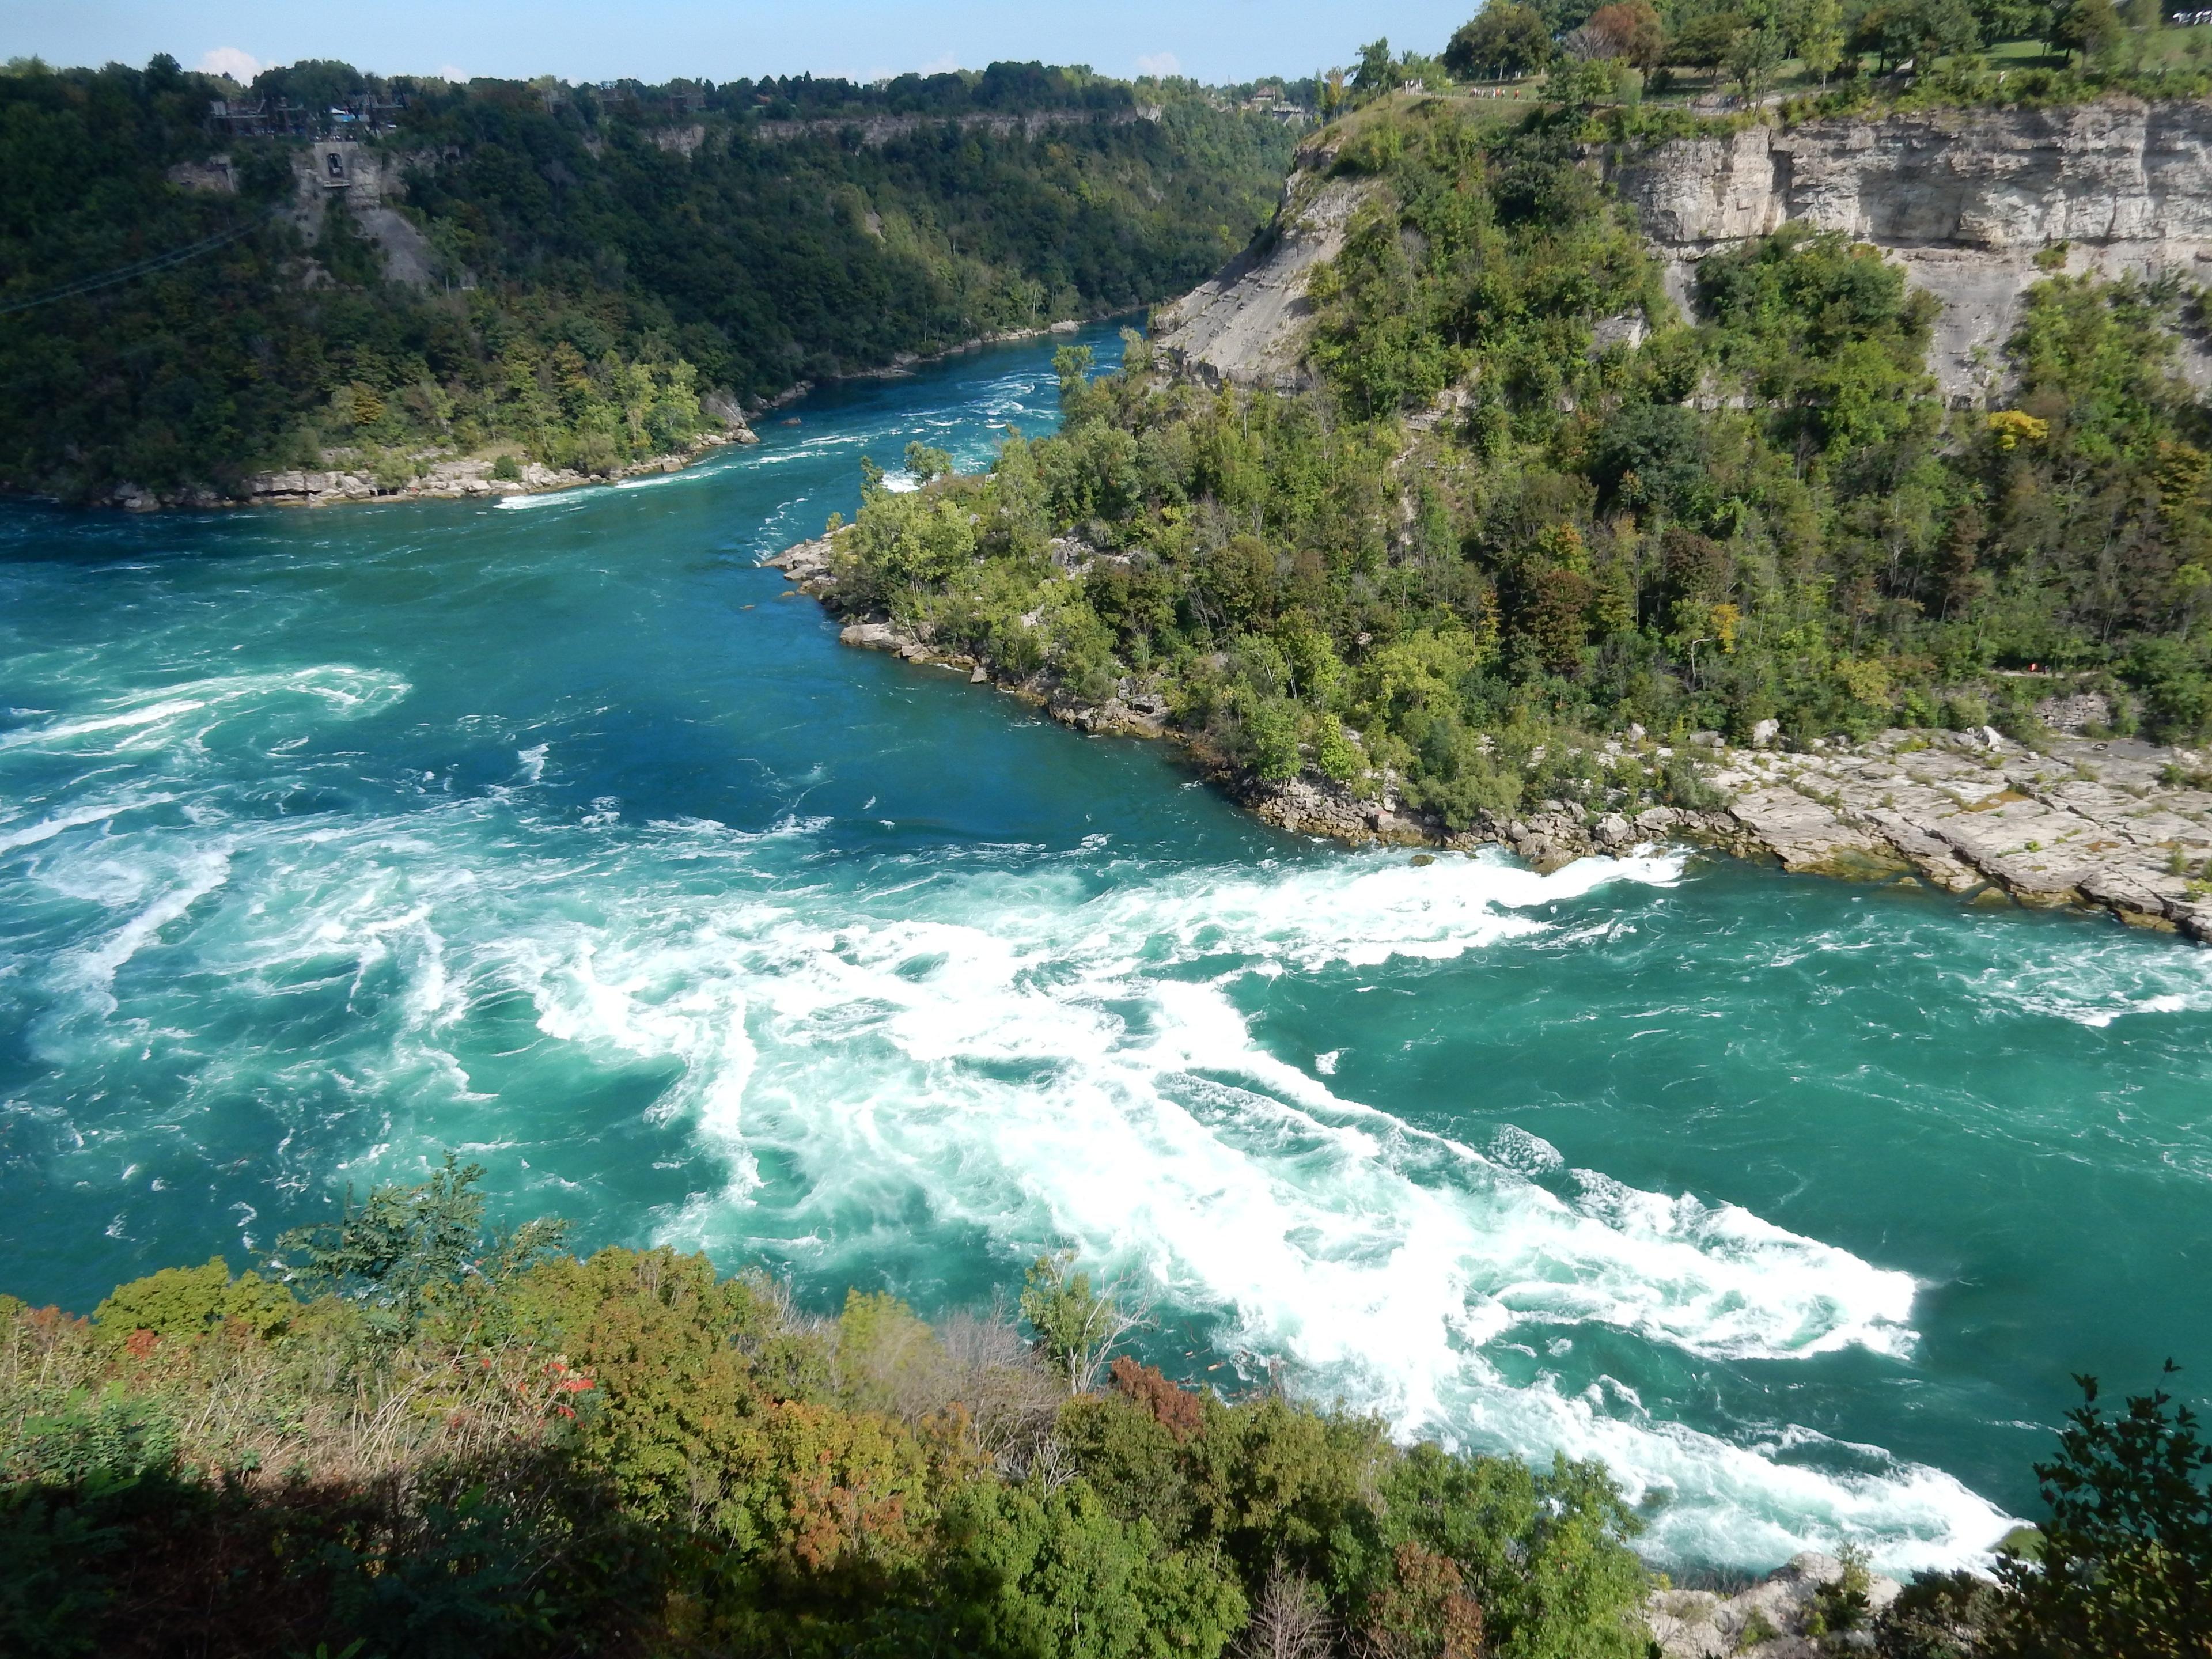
x=1024, y=1048
x=914, y=1058
x=1018, y=1057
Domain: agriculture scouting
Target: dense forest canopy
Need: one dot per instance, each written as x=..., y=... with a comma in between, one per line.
x=587, y=284
x=1760, y=518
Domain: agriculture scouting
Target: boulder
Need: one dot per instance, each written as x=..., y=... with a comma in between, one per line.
x=1767, y=1621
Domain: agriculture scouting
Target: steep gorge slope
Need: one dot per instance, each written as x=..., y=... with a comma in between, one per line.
x=1964, y=200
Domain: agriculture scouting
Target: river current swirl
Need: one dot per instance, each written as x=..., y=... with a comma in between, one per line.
x=559, y=833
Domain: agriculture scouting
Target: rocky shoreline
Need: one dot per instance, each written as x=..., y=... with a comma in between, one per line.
x=1781, y=1617
x=2107, y=824
x=451, y=479
x=456, y=478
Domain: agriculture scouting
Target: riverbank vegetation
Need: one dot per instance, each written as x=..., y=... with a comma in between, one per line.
x=418, y=1439
x=574, y=275
x=407, y=1435
x=1529, y=505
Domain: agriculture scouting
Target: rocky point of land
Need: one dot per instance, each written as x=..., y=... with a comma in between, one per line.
x=1772, y=1619
x=443, y=478
x=2072, y=819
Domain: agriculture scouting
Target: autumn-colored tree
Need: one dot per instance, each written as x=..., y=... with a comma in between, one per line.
x=1631, y=29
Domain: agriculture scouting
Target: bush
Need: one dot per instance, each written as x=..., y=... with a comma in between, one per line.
x=2125, y=1561
x=625, y=1453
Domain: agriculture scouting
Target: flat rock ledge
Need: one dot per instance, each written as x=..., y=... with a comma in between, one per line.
x=1767, y=1621
x=2096, y=823
x=447, y=479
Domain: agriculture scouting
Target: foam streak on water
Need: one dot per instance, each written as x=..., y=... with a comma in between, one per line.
x=1011, y=1047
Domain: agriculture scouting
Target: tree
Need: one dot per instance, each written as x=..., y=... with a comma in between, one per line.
x=1056, y=1573
x=925, y=462
x=1703, y=43
x=1753, y=55
x=1631, y=31
x=1290, y=1620
x=1814, y=30
x=1942, y=28
x=1506, y=38
x=2012, y=20
x=2087, y=27
x=1377, y=73
x=1070, y=364
x=404, y=1244
x=2125, y=1566
x=1077, y=1327
x=188, y=1301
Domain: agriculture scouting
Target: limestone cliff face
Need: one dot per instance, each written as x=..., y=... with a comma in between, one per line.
x=1249, y=324
x=370, y=180
x=1964, y=199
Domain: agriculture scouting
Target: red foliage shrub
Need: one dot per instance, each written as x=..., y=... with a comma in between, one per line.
x=1179, y=1411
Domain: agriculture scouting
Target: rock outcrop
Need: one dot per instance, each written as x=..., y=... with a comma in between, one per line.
x=369, y=180
x=2106, y=824
x=1247, y=323
x=1964, y=199
x=2110, y=824
x=1770, y=1621
x=2093, y=823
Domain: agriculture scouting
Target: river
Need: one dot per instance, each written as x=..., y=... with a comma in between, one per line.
x=558, y=833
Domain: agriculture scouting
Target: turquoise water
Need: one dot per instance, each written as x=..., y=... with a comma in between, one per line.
x=557, y=833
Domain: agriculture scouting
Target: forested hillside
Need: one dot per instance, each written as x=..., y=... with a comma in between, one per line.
x=1495, y=533
x=598, y=261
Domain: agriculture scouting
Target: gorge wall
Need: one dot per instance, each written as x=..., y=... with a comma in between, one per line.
x=1964, y=199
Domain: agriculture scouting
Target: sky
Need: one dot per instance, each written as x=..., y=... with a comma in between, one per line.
x=654, y=40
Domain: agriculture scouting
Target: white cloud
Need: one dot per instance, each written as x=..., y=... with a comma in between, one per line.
x=239, y=66
x=447, y=72
x=944, y=64
x=1161, y=63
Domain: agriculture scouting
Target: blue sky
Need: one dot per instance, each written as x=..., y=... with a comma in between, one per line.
x=656, y=40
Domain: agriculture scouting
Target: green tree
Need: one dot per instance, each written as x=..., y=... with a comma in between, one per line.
x=404, y=1246
x=1753, y=55
x=1704, y=41
x=2124, y=1565
x=188, y=1301
x=1506, y=38
x=1077, y=1327
x=925, y=462
x=1814, y=30
x=1056, y=1573
x=2088, y=26
x=1377, y=73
